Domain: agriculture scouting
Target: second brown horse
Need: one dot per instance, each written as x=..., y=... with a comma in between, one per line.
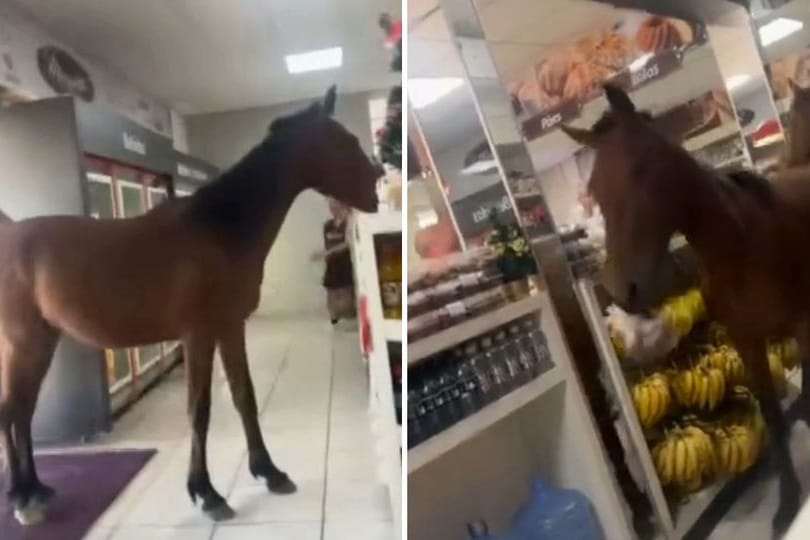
x=750, y=237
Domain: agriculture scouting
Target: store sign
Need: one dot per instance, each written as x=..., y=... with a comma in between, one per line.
x=191, y=172
x=64, y=74
x=472, y=213
x=655, y=68
x=134, y=144
x=550, y=120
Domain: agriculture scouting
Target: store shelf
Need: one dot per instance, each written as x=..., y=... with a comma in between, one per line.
x=725, y=131
x=423, y=348
x=527, y=195
x=689, y=512
x=380, y=222
x=459, y=433
x=392, y=329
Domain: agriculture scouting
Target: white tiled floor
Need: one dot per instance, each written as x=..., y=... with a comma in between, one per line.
x=312, y=393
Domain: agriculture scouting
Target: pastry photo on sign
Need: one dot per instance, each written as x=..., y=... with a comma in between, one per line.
x=574, y=74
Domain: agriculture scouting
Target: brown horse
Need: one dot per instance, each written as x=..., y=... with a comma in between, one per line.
x=750, y=238
x=97, y=281
x=797, y=151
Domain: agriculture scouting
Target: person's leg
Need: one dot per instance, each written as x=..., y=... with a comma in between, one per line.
x=333, y=305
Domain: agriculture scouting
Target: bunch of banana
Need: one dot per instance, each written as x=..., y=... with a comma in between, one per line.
x=737, y=448
x=727, y=360
x=682, y=312
x=787, y=351
x=700, y=387
x=652, y=399
x=684, y=458
x=778, y=374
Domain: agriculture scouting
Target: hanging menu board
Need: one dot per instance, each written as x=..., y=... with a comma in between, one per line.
x=639, y=49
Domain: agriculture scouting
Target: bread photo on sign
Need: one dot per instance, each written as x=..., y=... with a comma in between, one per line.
x=656, y=34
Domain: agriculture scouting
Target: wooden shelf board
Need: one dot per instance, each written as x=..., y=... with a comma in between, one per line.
x=441, y=341
x=463, y=431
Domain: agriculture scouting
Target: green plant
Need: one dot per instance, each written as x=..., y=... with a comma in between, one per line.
x=515, y=258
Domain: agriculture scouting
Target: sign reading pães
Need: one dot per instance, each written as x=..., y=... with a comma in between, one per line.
x=64, y=74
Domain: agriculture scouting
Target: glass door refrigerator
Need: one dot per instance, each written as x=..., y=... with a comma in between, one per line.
x=122, y=191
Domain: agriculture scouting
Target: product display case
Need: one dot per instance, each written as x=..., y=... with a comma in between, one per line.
x=373, y=238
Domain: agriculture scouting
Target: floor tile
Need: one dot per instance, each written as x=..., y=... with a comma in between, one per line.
x=358, y=530
x=162, y=533
x=357, y=501
x=255, y=504
x=270, y=531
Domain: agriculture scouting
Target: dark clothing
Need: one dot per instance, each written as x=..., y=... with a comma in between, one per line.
x=339, y=272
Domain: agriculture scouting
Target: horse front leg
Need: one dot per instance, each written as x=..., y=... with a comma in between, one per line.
x=15, y=491
x=199, y=360
x=754, y=354
x=234, y=360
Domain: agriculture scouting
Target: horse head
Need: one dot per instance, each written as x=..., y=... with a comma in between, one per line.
x=799, y=135
x=326, y=157
x=635, y=181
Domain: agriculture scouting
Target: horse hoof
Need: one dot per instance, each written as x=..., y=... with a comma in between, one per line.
x=221, y=512
x=783, y=520
x=42, y=495
x=281, y=485
x=30, y=515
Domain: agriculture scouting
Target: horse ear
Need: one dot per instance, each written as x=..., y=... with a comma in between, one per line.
x=619, y=101
x=329, y=100
x=582, y=136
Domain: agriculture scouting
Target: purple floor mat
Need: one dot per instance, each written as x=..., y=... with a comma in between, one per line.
x=86, y=484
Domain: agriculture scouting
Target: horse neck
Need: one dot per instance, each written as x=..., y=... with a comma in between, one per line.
x=711, y=226
x=798, y=141
x=247, y=205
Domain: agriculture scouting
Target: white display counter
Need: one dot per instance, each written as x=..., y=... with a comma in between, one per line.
x=382, y=334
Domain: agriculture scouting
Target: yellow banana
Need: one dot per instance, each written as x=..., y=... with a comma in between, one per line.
x=680, y=460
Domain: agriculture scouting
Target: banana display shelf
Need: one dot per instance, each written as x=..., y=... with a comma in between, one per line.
x=701, y=421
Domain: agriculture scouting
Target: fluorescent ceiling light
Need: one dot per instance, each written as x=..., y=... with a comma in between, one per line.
x=423, y=92
x=315, y=60
x=778, y=29
x=735, y=82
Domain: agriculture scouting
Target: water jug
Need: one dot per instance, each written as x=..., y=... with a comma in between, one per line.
x=556, y=514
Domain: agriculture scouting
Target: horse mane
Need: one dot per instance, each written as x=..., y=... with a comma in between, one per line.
x=608, y=121
x=236, y=205
x=754, y=184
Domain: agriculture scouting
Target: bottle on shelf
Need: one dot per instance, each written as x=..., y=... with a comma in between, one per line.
x=508, y=359
x=389, y=257
x=497, y=371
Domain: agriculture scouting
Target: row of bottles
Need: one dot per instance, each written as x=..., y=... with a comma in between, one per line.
x=457, y=383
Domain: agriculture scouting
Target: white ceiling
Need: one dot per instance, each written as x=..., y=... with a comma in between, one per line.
x=216, y=55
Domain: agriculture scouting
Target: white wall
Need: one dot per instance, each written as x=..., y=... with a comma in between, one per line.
x=292, y=284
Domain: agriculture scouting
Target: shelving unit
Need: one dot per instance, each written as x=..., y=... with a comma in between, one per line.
x=675, y=522
x=458, y=434
x=423, y=348
x=481, y=467
x=383, y=332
